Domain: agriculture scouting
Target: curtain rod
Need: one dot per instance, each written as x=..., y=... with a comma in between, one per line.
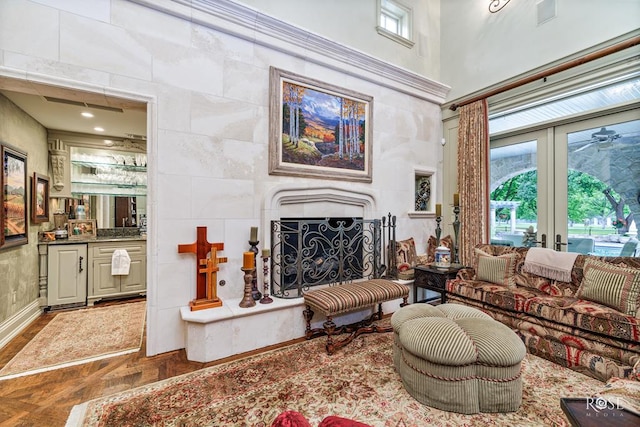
x=553, y=70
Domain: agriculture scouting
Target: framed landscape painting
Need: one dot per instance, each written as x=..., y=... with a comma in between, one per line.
x=318, y=130
x=39, y=198
x=14, y=197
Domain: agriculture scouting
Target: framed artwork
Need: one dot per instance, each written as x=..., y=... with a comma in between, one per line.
x=424, y=184
x=81, y=229
x=39, y=198
x=14, y=197
x=318, y=130
x=422, y=193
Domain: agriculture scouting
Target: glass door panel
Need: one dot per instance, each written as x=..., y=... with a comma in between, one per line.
x=517, y=180
x=597, y=191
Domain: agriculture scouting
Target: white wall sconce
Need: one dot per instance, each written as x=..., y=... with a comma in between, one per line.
x=497, y=5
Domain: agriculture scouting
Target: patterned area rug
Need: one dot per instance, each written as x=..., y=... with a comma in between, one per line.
x=80, y=336
x=357, y=382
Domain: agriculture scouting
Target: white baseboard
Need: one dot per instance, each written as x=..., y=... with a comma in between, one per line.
x=10, y=328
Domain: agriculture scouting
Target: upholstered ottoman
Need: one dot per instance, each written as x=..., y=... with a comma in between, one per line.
x=456, y=358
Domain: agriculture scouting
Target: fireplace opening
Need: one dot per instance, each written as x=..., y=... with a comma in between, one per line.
x=308, y=252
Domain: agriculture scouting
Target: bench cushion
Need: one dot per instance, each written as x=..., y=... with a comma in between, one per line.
x=351, y=296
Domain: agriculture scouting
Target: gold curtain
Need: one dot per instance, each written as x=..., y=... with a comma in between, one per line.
x=473, y=178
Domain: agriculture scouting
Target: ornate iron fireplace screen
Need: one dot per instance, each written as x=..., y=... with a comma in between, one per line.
x=311, y=252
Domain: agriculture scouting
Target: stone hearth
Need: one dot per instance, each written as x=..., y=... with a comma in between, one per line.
x=216, y=333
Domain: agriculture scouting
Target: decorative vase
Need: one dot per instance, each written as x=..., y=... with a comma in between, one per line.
x=80, y=212
x=443, y=257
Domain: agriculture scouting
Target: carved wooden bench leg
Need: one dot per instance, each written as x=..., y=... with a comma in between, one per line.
x=311, y=333
x=330, y=330
x=308, y=315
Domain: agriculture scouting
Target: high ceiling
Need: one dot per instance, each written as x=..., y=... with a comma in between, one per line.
x=61, y=109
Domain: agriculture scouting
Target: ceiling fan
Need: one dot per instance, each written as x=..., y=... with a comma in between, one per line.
x=605, y=135
x=603, y=138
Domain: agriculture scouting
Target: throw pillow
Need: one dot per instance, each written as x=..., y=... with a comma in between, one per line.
x=496, y=269
x=611, y=285
x=446, y=241
x=406, y=252
x=405, y=271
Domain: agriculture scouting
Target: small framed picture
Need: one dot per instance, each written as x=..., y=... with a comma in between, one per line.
x=81, y=229
x=14, y=214
x=39, y=198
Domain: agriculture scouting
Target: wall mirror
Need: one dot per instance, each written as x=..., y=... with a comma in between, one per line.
x=109, y=186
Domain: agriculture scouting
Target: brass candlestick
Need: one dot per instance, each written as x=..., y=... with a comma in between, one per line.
x=247, y=300
x=255, y=293
x=438, y=230
x=266, y=299
x=456, y=232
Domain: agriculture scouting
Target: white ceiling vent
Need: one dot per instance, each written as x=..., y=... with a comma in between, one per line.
x=83, y=104
x=546, y=11
x=134, y=136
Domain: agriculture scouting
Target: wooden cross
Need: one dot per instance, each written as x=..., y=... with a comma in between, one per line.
x=201, y=247
x=210, y=271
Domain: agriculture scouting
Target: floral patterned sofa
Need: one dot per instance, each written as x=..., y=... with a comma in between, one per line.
x=555, y=319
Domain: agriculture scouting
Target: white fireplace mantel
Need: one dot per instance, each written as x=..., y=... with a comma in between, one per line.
x=305, y=201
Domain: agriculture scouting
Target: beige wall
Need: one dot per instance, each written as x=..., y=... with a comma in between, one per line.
x=481, y=49
x=19, y=264
x=353, y=23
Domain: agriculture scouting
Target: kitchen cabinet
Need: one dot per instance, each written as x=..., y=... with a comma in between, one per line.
x=67, y=274
x=103, y=284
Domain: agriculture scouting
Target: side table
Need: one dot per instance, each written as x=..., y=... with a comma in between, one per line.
x=434, y=279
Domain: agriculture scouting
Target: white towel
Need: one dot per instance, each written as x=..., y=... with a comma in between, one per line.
x=549, y=263
x=120, y=262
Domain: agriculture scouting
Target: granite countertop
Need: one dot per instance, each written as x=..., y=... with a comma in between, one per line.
x=118, y=238
x=95, y=240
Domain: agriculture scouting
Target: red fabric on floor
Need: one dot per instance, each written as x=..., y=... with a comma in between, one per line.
x=296, y=419
x=290, y=419
x=333, y=421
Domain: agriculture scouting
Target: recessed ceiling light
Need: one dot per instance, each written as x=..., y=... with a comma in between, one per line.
x=98, y=129
x=108, y=142
x=86, y=114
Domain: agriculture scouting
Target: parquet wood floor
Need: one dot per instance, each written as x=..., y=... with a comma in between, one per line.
x=46, y=399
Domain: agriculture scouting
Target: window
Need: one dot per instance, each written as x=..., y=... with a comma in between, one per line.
x=564, y=167
x=390, y=22
x=395, y=22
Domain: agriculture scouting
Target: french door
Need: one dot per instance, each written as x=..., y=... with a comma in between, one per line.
x=597, y=184
x=573, y=187
x=519, y=183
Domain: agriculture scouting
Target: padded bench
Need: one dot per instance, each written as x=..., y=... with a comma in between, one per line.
x=344, y=298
